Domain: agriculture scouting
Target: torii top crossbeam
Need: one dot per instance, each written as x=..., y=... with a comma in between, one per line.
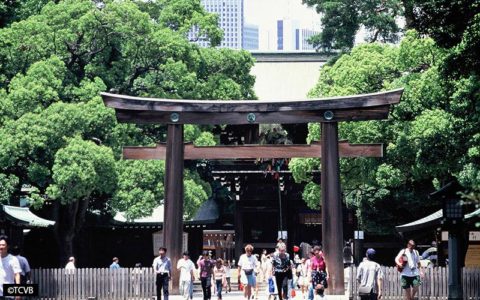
x=167, y=111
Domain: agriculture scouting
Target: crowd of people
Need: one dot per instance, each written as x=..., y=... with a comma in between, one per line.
x=281, y=273
x=14, y=268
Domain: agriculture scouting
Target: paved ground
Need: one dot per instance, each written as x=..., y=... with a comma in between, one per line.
x=262, y=294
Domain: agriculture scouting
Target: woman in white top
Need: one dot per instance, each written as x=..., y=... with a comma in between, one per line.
x=264, y=266
x=408, y=260
x=247, y=263
x=228, y=275
x=303, y=276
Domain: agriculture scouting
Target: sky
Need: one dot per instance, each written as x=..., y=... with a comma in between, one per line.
x=265, y=14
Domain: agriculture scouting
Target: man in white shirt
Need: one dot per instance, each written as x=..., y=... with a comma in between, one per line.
x=163, y=268
x=247, y=263
x=186, y=267
x=10, y=268
x=409, y=260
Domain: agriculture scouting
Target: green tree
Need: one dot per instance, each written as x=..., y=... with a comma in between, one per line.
x=81, y=171
x=54, y=62
x=341, y=20
x=431, y=136
x=140, y=187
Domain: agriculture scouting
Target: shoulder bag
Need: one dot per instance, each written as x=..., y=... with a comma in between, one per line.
x=364, y=290
x=400, y=267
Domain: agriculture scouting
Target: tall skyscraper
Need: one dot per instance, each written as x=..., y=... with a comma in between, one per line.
x=230, y=14
x=250, y=37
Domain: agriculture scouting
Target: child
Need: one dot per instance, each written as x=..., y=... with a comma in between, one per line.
x=319, y=292
x=219, y=275
x=228, y=275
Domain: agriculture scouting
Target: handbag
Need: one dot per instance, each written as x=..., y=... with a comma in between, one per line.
x=400, y=267
x=364, y=290
x=271, y=285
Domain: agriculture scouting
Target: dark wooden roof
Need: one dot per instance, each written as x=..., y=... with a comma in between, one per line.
x=348, y=108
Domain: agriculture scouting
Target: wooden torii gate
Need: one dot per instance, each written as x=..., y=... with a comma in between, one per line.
x=327, y=111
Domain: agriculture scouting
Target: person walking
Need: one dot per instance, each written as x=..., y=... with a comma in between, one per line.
x=10, y=267
x=370, y=277
x=247, y=263
x=281, y=270
x=163, y=270
x=205, y=265
x=347, y=255
x=70, y=266
x=24, y=265
x=308, y=279
x=263, y=264
x=186, y=267
x=256, y=271
x=115, y=265
x=302, y=277
x=408, y=261
x=136, y=275
x=228, y=276
x=318, y=272
x=220, y=277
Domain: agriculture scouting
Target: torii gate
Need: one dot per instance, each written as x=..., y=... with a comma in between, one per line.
x=327, y=111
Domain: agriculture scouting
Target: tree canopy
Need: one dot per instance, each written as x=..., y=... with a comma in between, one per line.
x=57, y=137
x=431, y=137
x=341, y=20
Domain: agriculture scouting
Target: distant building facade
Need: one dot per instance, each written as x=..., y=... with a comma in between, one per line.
x=230, y=14
x=250, y=37
x=301, y=39
x=291, y=37
x=286, y=34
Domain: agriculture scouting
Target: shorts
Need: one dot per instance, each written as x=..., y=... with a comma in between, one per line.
x=410, y=281
x=251, y=280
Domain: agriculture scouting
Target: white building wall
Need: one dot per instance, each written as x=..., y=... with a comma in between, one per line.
x=285, y=80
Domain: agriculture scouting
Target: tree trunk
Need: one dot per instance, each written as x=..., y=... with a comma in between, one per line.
x=409, y=15
x=69, y=220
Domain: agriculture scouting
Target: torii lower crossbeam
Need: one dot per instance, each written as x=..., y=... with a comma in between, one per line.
x=254, y=151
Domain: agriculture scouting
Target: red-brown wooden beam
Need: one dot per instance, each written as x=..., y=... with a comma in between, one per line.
x=239, y=118
x=139, y=110
x=254, y=151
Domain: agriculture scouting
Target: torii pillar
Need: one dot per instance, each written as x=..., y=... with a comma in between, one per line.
x=173, y=201
x=332, y=208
